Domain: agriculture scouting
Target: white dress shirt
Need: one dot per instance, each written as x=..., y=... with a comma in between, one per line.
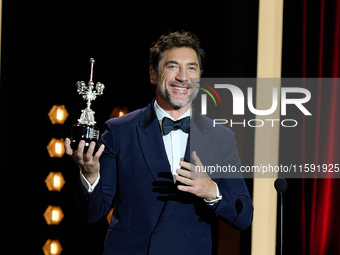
x=175, y=144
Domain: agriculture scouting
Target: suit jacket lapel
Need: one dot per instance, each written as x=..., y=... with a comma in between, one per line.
x=151, y=142
x=198, y=132
x=187, y=150
x=197, y=129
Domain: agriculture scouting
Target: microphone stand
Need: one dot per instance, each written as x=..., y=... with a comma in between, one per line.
x=281, y=248
x=280, y=185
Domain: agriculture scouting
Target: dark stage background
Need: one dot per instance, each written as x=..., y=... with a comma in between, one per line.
x=46, y=47
x=45, y=50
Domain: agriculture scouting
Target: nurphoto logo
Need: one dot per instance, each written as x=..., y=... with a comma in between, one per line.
x=296, y=97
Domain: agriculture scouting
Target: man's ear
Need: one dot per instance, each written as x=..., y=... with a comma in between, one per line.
x=153, y=75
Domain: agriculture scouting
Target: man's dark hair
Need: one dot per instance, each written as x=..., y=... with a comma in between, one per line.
x=172, y=40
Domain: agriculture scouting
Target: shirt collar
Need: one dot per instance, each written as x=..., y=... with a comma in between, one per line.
x=161, y=113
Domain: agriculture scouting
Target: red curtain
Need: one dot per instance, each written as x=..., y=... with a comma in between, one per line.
x=320, y=200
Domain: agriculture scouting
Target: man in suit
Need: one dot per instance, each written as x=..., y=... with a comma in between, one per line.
x=144, y=167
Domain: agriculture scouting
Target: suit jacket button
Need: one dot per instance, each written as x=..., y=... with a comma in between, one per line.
x=186, y=234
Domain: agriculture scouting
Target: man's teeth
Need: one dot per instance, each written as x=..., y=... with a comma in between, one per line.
x=181, y=88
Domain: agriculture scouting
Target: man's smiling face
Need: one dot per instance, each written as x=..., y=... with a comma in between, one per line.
x=176, y=71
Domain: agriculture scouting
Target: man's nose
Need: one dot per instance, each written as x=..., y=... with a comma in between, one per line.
x=182, y=75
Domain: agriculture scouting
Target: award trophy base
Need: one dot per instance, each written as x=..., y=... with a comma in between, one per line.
x=88, y=133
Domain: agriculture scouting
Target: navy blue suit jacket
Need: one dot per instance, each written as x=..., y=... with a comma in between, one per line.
x=151, y=216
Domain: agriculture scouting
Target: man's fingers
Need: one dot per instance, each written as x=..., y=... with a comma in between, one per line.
x=185, y=188
x=67, y=146
x=192, y=167
x=99, y=152
x=184, y=173
x=89, y=153
x=184, y=180
x=80, y=150
x=88, y=163
x=187, y=165
x=196, y=159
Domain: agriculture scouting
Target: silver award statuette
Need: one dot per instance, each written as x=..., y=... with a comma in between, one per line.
x=85, y=129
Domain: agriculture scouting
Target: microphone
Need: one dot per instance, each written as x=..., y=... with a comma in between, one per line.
x=280, y=185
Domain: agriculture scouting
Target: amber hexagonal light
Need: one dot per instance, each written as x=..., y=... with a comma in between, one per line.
x=56, y=148
x=55, y=181
x=117, y=112
x=52, y=247
x=53, y=215
x=58, y=114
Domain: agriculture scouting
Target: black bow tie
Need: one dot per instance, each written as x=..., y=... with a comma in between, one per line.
x=168, y=125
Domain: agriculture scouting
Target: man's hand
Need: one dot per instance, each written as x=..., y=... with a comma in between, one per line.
x=199, y=184
x=87, y=162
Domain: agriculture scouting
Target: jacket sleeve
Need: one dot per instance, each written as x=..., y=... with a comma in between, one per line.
x=96, y=205
x=235, y=207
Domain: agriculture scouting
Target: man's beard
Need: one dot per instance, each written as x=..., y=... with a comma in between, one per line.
x=166, y=96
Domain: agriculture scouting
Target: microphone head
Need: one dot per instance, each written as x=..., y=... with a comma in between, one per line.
x=280, y=184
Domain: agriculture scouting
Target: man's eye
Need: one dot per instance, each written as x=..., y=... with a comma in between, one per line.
x=194, y=68
x=172, y=67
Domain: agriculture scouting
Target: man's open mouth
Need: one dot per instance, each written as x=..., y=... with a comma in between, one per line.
x=180, y=88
